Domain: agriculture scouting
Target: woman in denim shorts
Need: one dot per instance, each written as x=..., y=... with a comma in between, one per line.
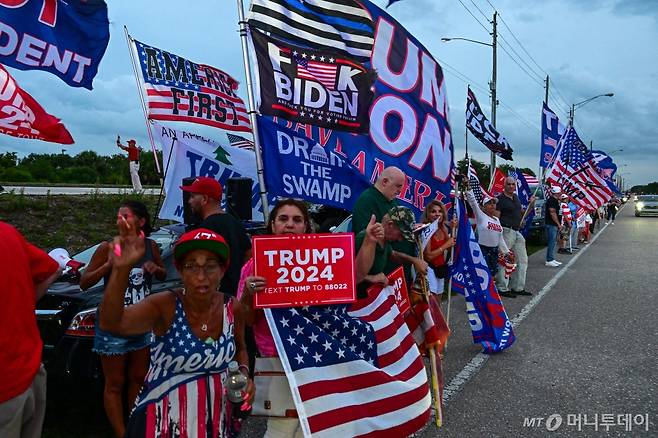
x=124, y=359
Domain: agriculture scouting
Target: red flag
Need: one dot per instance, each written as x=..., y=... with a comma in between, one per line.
x=21, y=115
x=497, y=183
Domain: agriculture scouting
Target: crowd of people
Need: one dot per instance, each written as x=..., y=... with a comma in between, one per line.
x=567, y=225
x=164, y=347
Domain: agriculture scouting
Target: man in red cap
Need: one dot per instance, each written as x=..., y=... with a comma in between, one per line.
x=133, y=158
x=205, y=202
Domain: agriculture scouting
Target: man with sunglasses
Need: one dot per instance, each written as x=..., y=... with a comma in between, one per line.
x=205, y=202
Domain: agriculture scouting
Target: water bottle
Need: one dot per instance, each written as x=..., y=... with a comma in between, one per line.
x=236, y=383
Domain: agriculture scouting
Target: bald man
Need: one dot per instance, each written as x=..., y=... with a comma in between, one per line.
x=379, y=199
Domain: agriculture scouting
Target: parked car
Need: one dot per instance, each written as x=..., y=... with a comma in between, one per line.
x=66, y=315
x=646, y=205
x=537, y=229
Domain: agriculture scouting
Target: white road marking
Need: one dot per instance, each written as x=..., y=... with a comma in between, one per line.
x=475, y=364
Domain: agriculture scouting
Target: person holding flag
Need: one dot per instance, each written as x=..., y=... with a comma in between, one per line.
x=490, y=233
x=511, y=214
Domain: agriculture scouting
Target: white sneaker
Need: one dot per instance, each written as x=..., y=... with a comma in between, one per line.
x=606, y=223
x=553, y=263
x=558, y=263
x=612, y=223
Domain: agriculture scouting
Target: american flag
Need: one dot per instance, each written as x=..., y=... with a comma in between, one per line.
x=530, y=179
x=474, y=185
x=323, y=72
x=353, y=371
x=240, y=142
x=182, y=90
x=575, y=171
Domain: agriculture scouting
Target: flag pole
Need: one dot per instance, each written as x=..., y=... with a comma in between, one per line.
x=129, y=41
x=432, y=349
x=452, y=256
x=252, y=109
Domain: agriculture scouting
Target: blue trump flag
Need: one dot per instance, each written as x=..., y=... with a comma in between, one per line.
x=490, y=325
x=524, y=193
x=408, y=117
x=298, y=167
x=67, y=39
x=551, y=132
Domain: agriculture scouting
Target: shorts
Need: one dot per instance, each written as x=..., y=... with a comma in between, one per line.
x=107, y=344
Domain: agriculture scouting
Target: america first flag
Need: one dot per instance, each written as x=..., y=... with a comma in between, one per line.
x=353, y=370
x=178, y=89
x=575, y=171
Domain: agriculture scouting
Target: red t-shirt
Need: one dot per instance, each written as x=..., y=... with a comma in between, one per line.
x=23, y=266
x=133, y=153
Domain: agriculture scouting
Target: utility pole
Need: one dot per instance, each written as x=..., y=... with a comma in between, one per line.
x=591, y=145
x=492, y=86
x=546, y=87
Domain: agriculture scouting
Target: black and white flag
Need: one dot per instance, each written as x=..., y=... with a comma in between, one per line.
x=310, y=86
x=483, y=130
x=337, y=25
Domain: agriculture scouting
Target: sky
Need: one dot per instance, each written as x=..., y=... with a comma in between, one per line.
x=587, y=47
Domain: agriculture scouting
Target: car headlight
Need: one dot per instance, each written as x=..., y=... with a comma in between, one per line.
x=639, y=205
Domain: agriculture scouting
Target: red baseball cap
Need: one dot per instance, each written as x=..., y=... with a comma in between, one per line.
x=202, y=238
x=205, y=186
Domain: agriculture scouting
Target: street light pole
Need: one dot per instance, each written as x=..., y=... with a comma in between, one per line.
x=492, y=85
x=572, y=112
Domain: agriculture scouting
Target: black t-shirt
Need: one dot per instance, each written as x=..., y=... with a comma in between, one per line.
x=510, y=211
x=551, y=203
x=239, y=243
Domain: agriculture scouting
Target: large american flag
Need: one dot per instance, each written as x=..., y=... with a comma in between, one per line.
x=320, y=71
x=184, y=91
x=575, y=171
x=353, y=371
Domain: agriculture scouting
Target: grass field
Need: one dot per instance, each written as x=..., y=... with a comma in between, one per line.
x=71, y=222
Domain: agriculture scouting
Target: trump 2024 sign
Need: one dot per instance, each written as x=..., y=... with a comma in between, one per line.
x=305, y=269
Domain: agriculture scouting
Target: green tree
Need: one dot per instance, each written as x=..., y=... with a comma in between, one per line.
x=8, y=159
x=481, y=169
x=15, y=174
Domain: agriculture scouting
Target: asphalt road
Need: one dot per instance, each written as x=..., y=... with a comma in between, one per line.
x=56, y=190
x=587, y=344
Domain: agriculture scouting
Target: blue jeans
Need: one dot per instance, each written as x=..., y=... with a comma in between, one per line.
x=551, y=236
